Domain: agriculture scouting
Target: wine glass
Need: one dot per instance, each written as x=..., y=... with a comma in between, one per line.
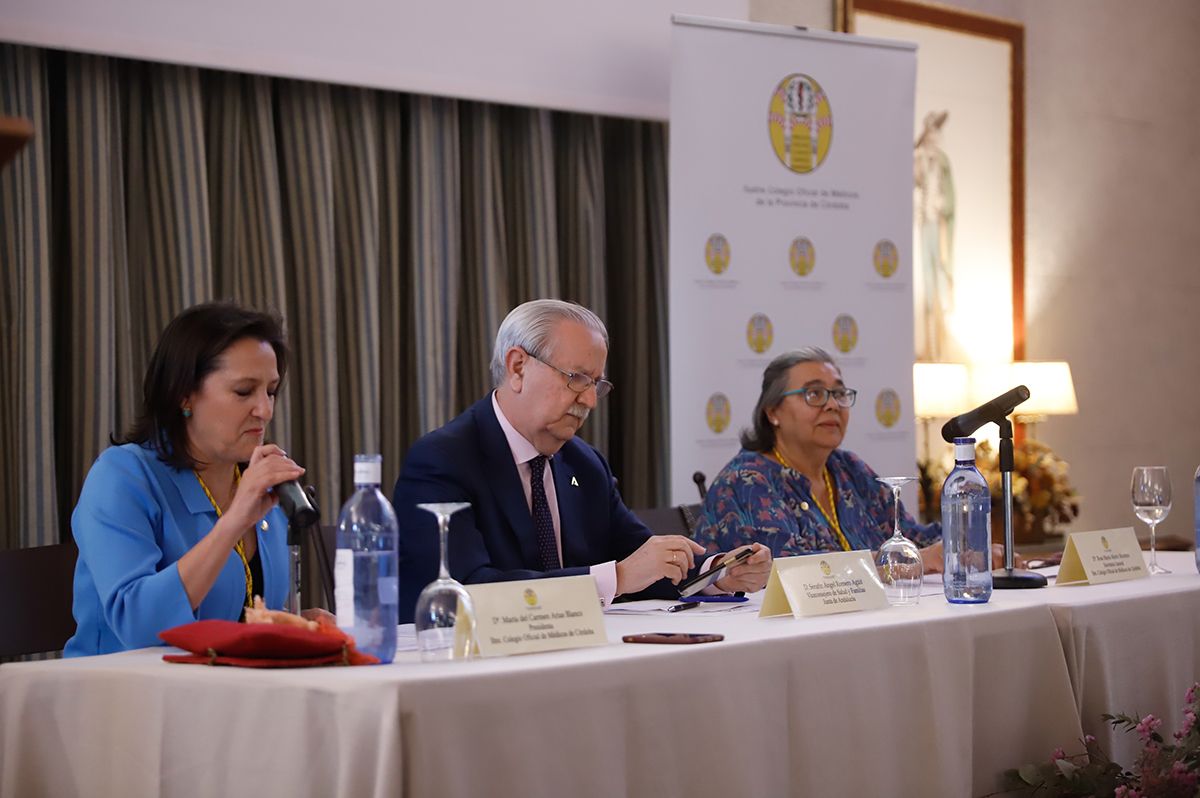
x=444, y=603
x=899, y=559
x=1151, y=492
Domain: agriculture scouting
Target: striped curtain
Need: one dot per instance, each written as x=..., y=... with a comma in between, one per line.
x=392, y=231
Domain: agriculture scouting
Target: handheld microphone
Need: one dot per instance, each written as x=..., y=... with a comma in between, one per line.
x=295, y=504
x=995, y=410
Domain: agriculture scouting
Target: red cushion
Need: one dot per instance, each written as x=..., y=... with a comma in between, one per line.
x=259, y=645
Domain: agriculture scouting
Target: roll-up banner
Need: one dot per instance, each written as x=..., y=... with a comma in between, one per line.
x=791, y=180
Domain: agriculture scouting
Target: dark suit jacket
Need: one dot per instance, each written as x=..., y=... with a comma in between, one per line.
x=493, y=540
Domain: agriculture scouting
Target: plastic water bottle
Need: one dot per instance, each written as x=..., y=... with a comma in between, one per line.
x=366, y=586
x=966, y=529
x=1196, y=514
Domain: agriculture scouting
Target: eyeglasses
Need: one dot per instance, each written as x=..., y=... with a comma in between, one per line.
x=578, y=382
x=817, y=396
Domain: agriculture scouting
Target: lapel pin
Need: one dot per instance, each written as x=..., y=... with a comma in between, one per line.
x=574, y=482
x=265, y=525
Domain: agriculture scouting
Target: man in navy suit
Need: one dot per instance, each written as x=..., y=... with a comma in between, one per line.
x=543, y=503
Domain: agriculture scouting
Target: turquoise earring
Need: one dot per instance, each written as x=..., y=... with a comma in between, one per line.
x=187, y=412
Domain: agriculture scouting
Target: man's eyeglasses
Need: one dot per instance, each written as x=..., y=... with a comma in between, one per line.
x=578, y=382
x=817, y=395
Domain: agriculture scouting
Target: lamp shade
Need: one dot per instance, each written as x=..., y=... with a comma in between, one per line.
x=940, y=389
x=1051, y=390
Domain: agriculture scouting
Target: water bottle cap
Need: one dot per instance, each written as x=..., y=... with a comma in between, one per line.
x=368, y=469
x=964, y=449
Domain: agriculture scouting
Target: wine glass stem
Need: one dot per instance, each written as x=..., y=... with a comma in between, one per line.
x=444, y=534
x=1153, y=553
x=896, y=502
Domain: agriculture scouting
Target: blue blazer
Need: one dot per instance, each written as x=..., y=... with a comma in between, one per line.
x=136, y=517
x=493, y=540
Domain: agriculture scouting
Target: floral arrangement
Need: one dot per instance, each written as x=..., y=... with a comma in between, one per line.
x=1161, y=770
x=1043, y=497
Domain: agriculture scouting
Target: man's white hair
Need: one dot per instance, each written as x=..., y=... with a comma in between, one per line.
x=531, y=327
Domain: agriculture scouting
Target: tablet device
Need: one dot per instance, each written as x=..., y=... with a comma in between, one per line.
x=710, y=577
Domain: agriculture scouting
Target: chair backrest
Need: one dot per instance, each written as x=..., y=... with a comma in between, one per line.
x=324, y=539
x=36, y=593
x=681, y=520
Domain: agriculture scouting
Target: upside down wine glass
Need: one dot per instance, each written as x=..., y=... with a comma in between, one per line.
x=1151, y=493
x=444, y=603
x=899, y=559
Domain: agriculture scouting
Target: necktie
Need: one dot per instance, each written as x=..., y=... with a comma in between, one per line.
x=543, y=524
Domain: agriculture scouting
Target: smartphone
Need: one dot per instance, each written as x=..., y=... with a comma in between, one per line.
x=673, y=638
x=701, y=581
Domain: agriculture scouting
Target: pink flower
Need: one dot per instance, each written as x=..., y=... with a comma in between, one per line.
x=1088, y=739
x=1125, y=792
x=1058, y=754
x=1189, y=721
x=1148, y=726
x=1190, y=696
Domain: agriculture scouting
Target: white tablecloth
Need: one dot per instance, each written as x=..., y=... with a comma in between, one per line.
x=933, y=700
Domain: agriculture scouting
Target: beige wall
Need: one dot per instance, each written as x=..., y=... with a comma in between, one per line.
x=1112, y=234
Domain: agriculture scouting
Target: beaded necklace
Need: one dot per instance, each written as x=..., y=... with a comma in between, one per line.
x=239, y=547
x=831, y=518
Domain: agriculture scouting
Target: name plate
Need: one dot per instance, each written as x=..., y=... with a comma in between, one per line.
x=823, y=584
x=1093, y=558
x=537, y=615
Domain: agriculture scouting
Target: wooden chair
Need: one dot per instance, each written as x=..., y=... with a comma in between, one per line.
x=36, y=593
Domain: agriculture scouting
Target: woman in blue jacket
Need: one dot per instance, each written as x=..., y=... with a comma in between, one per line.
x=176, y=521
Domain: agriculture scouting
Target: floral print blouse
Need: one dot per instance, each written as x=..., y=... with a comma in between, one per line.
x=754, y=499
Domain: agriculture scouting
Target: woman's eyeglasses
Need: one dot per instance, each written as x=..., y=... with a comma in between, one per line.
x=818, y=395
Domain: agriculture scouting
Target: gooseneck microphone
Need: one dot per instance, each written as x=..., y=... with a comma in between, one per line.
x=994, y=411
x=295, y=504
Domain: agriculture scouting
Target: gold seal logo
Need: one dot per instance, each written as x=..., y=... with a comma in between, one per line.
x=1104, y=542
x=886, y=258
x=802, y=256
x=887, y=407
x=759, y=333
x=717, y=412
x=800, y=123
x=825, y=569
x=530, y=597
x=717, y=253
x=845, y=333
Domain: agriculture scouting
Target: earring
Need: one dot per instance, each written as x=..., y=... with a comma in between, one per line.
x=774, y=422
x=187, y=412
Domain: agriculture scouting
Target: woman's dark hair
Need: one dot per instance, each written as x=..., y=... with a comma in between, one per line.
x=188, y=351
x=761, y=436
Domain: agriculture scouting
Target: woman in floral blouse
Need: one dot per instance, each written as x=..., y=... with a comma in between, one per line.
x=791, y=487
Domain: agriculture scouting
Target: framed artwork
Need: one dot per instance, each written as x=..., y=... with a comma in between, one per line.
x=968, y=176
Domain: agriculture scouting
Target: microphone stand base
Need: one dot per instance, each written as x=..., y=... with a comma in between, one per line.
x=1016, y=579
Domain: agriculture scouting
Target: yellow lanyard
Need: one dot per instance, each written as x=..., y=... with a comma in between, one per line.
x=831, y=519
x=239, y=547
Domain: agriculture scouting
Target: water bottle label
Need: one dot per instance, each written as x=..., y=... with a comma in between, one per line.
x=368, y=473
x=343, y=587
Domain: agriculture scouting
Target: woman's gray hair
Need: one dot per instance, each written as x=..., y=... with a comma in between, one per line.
x=760, y=437
x=531, y=327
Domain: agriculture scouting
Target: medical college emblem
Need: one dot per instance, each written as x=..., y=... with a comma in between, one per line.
x=717, y=412
x=800, y=123
x=886, y=258
x=825, y=569
x=845, y=333
x=1104, y=542
x=717, y=253
x=530, y=597
x=802, y=256
x=887, y=407
x=759, y=333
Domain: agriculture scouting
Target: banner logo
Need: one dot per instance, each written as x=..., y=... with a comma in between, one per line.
x=800, y=123
x=717, y=253
x=717, y=412
x=802, y=256
x=845, y=333
x=887, y=407
x=886, y=258
x=759, y=333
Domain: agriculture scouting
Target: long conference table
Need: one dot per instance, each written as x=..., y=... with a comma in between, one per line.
x=933, y=700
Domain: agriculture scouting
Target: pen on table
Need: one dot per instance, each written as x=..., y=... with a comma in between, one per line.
x=681, y=607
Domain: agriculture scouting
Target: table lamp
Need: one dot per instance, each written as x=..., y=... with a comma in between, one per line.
x=1051, y=391
x=939, y=391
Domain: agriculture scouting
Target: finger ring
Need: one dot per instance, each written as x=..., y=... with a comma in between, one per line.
x=672, y=556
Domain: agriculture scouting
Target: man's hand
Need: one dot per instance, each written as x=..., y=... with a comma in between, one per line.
x=748, y=576
x=669, y=556
x=933, y=560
